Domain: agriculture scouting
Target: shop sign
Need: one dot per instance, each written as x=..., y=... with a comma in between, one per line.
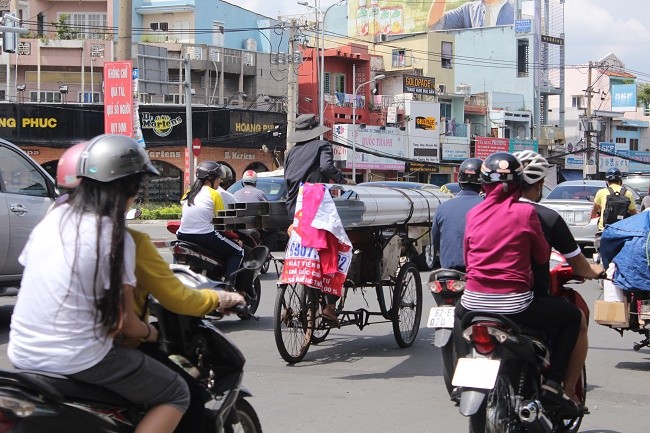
x=161, y=124
x=239, y=155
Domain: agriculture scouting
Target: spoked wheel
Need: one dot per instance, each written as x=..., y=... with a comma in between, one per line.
x=497, y=413
x=253, y=304
x=249, y=422
x=293, y=321
x=320, y=331
x=407, y=305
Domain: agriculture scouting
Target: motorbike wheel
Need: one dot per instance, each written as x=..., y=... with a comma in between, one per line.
x=426, y=260
x=497, y=413
x=407, y=305
x=249, y=422
x=572, y=425
x=254, y=303
x=265, y=267
x=293, y=321
x=448, y=352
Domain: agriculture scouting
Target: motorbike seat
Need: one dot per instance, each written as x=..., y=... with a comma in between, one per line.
x=57, y=387
x=447, y=274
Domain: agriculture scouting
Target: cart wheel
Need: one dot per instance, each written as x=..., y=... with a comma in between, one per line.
x=253, y=304
x=320, y=331
x=407, y=305
x=427, y=260
x=293, y=321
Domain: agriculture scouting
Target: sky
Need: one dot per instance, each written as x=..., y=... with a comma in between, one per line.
x=594, y=28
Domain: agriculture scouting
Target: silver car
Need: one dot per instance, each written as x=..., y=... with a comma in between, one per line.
x=26, y=193
x=574, y=200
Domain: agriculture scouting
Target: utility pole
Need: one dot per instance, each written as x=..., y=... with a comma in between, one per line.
x=292, y=91
x=124, y=30
x=587, y=127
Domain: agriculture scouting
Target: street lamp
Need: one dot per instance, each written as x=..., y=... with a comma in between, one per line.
x=354, y=116
x=321, y=66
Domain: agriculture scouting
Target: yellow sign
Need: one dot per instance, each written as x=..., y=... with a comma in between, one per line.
x=428, y=123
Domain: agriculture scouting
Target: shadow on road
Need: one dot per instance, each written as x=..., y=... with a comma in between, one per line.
x=637, y=366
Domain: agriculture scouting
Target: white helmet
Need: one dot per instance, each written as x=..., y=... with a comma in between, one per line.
x=249, y=177
x=535, y=166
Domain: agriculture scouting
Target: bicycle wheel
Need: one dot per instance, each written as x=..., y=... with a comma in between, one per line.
x=407, y=305
x=293, y=321
x=320, y=330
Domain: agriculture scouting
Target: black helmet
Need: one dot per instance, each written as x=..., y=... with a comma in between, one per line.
x=613, y=173
x=470, y=171
x=109, y=157
x=501, y=167
x=210, y=170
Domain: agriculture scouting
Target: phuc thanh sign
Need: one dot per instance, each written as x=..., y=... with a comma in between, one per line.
x=118, y=98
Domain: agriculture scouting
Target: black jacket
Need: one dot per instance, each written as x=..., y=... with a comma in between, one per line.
x=309, y=161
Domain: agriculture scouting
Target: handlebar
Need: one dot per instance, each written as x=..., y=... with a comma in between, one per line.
x=242, y=311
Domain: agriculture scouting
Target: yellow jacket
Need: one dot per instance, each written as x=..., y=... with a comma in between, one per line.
x=154, y=276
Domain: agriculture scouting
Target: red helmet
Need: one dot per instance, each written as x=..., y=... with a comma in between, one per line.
x=66, y=169
x=249, y=177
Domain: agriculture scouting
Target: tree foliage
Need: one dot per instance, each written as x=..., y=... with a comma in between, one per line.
x=643, y=95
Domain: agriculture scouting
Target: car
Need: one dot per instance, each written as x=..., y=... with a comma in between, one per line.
x=400, y=184
x=274, y=188
x=574, y=200
x=453, y=188
x=26, y=193
x=639, y=181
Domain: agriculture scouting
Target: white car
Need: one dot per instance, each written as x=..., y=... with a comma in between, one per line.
x=26, y=193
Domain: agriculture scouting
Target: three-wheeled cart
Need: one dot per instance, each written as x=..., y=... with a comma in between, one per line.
x=389, y=229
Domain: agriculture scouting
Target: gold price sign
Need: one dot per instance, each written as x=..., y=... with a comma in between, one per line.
x=552, y=40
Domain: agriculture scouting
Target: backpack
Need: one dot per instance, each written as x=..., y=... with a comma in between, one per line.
x=616, y=206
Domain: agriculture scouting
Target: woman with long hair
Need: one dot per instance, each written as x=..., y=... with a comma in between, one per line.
x=76, y=295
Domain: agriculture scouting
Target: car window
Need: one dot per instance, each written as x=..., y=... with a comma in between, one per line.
x=19, y=176
x=639, y=183
x=573, y=192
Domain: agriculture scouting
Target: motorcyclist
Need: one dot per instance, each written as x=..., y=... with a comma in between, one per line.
x=154, y=277
x=223, y=185
x=249, y=193
x=448, y=227
x=200, y=205
x=502, y=238
x=66, y=323
x=559, y=238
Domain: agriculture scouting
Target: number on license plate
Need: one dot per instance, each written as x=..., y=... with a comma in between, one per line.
x=569, y=217
x=441, y=317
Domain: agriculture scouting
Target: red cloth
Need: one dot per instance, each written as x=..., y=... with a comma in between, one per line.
x=325, y=242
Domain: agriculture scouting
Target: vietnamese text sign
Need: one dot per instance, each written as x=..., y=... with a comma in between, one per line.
x=118, y=98
x=517, y=145
x=419, y=85
x=639, y=155
x=606, y=162
x=388, y=141
x=485, y=146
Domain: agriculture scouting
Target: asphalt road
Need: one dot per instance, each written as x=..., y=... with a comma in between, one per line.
x=361, y=381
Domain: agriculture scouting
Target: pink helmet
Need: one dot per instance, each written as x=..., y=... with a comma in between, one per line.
x=249, y=177
x=66, y=169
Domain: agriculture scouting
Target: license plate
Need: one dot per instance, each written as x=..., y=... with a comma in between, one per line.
x=569, y=217
x=441, y=317
x=476, y=373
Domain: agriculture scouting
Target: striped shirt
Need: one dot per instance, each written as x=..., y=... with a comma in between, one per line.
x=501, y=303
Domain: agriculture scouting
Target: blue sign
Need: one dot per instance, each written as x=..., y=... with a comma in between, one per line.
x=523, y=26
x=624, y=97
x=638, y=155
x=517, y=145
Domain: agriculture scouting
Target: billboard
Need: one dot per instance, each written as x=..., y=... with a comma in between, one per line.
x=423, y=130
x=118, y=98
x=395, y=17
x=389, y=141
x=485, y=146
x=624, y=97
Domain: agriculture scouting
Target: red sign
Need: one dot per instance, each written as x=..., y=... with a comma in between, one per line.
x=488, y=145
x=196, y=146
x=118, y=98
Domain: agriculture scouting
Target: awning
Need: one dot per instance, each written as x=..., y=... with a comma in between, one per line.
x=571, y=174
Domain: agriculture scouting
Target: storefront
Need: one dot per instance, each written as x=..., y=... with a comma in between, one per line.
x=241, y=139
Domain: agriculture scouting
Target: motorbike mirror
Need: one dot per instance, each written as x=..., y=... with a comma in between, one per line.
x=133, y=213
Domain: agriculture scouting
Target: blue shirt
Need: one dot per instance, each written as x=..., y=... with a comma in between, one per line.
x=472, y=14
x=448, y=229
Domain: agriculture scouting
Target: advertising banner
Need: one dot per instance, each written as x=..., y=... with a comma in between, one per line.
x=639, y=155
x=624, y=97
x=390, y=141
x=423, y=131
x=606, y=162
x=118, y=98
x=485, y=146
x=395, y=17
x=575, y=161
x=517, y=145
x=452, y=151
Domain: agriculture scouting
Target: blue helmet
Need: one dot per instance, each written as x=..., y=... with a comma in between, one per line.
x=613, y=173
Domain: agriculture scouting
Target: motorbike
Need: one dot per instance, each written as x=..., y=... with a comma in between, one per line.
x=638, y=317
x=447, y=287
x=501, y=378
x=203, y=261
x=32, y=401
